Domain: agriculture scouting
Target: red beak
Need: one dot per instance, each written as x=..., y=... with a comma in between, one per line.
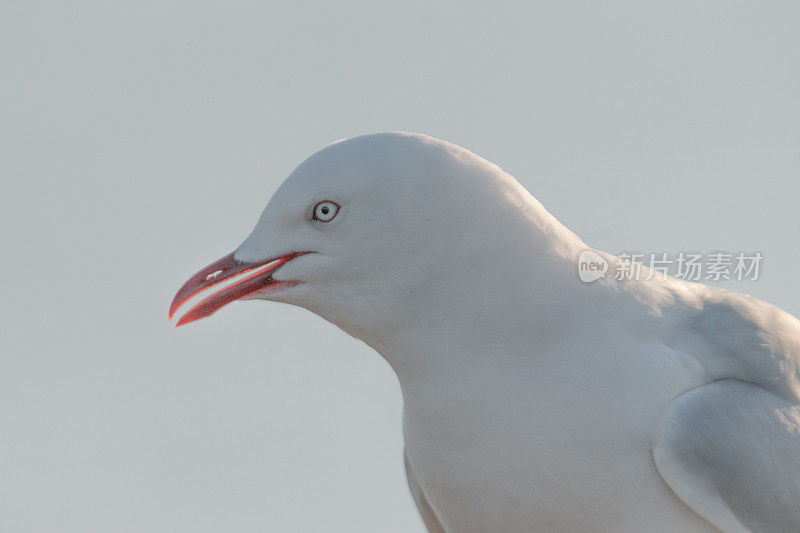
x=228, y=268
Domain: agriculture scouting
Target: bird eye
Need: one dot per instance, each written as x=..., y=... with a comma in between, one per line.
x=325, y=211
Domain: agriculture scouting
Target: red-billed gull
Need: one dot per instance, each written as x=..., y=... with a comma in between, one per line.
x=533, y=401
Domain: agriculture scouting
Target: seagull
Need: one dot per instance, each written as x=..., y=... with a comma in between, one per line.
x=533, y=400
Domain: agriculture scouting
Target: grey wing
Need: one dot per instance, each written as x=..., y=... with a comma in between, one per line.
x=731, y=451
x=429, y=517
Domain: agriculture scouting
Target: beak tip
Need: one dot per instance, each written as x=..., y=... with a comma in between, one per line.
x=198, y=283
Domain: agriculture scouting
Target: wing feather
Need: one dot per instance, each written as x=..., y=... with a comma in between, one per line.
x=425, y=510
x=731, y=451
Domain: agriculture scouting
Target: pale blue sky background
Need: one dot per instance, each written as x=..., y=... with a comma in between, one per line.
x=140, y=141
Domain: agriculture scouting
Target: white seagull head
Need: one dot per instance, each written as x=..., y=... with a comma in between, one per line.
x=365, y=230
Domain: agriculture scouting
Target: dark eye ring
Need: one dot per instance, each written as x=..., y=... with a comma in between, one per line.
x=325, y=211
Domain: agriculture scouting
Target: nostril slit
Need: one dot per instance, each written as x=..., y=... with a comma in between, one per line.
x=214, y=274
